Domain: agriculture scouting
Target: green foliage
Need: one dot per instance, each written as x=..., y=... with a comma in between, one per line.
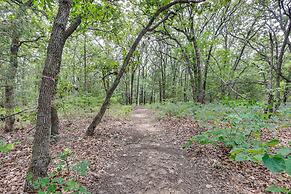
x=119, y=111
x=82, y=103
x=55, y=182
x=81, y=167
x=275, y=164
x=5, y=147
x=239, y=130
x=87, y=104
x=237, y=125
x=276, y=189
x=178, y=109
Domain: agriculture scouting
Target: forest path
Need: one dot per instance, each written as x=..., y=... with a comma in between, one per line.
x=151, y=161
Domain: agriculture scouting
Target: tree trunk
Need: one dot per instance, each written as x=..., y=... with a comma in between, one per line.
x=55, y=121
x=270, y=96
x=185, y=89
x=203, y=92
x=198, y=72
x=278, y=91
x=9, y=102
x=137, y=87
x=85, y=64
x=126, y=94
x=286, y=94
x=132, y=85
x=40, y=151
x=142, y=88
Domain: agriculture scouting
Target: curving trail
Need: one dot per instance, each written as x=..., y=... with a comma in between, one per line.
x=151, y=161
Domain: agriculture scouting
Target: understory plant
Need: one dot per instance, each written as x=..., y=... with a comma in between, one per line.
x=61, y=179
x=5, y=147
x=237, y=125
x=241, y=134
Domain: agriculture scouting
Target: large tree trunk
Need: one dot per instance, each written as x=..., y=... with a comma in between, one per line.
x=9, y=102
x=40, y=151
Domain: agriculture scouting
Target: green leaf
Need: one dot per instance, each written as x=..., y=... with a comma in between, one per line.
x=82, y=167
x=285, y=151
x=58, y=180
x=276, y=189
x=288, y=165
x=36, y=184
x=44, y=181
x=6, y=148
x=71, y=185
x=275, y=163
x=272, y=142
x=52, y=188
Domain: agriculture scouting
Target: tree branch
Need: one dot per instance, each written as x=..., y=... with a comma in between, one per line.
x=30, y=41
x=74, y=25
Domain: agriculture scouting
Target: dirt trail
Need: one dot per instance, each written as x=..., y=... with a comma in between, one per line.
x=151, y=161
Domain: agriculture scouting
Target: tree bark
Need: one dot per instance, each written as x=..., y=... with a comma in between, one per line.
x=137, y=87
x=85, y=64
x=55, y=121
x=40, y=151
x=9, y=96
x=133, y=69
x=9, y=102
x=198, y=71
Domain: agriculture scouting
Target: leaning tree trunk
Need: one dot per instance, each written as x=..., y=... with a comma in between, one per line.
x=9, y=103
x=149, y=27
x=40, y=151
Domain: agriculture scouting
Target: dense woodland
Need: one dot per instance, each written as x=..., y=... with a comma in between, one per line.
x=226, y=61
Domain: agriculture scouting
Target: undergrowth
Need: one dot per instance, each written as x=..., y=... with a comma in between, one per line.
x=237, y=125
x=82, y=106
x=70, y=107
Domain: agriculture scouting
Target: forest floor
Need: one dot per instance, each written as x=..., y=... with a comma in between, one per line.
x=141, y=154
